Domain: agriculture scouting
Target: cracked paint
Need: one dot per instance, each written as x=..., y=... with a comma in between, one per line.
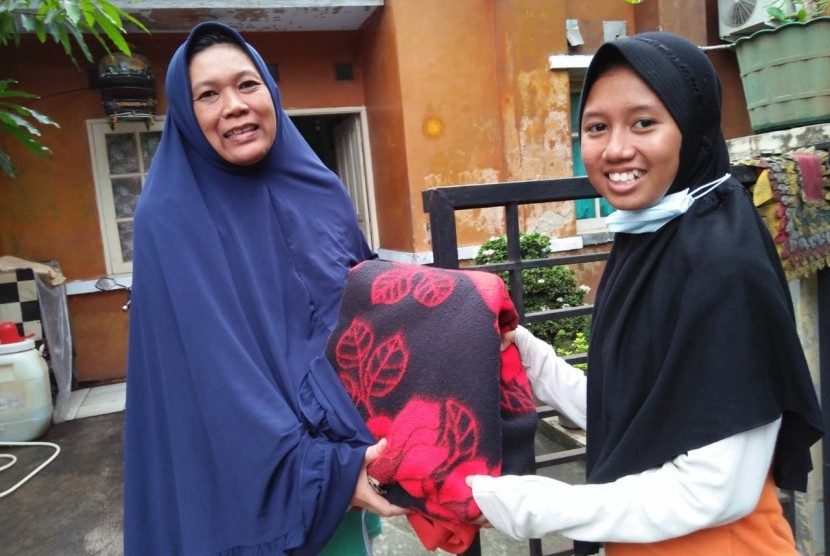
x=537, y=122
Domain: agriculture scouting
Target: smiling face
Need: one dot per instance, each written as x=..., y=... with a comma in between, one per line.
x=232, y=104
x=630, y=143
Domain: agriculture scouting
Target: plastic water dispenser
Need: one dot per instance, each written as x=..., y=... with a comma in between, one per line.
x=25, y=391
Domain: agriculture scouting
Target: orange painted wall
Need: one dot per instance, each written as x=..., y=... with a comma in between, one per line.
x=451, y=93
x=480, y=104
x=385, y=113
x=455, y=93
x=535, y=106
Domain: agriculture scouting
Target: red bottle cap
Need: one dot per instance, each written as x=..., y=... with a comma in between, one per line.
x=9, y=334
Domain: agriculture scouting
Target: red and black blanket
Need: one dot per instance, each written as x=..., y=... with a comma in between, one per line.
x=418, y=350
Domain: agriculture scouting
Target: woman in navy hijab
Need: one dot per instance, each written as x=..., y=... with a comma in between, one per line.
x=239, y=437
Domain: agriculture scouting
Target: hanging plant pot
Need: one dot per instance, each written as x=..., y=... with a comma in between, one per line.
x=786, y=74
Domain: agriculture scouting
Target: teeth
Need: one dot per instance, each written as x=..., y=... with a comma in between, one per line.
x=625, y=176
x=237, y=131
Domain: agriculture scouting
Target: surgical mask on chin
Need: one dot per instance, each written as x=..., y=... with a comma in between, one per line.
x=655, y=217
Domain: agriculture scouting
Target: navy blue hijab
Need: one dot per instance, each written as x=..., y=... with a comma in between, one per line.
x=693, y=337
x=239, y=437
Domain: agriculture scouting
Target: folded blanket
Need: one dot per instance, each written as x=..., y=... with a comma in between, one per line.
x=417, y=349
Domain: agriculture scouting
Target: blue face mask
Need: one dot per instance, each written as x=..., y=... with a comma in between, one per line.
x=656, y=216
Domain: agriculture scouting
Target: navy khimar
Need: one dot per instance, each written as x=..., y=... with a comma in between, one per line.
x=239, y=436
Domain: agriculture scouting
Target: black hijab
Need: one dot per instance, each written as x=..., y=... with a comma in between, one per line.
x=693, y=336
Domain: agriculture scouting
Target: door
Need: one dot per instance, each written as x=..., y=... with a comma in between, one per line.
x=351, y=167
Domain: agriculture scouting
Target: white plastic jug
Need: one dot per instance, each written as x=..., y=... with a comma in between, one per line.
x=25, y=393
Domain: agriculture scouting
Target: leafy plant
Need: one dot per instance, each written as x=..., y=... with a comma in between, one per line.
x=579, y=345
x=16, y=120
x=544, y=289
x=802, y=11
x=65, y=22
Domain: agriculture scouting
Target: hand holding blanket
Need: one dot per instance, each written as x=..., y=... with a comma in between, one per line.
x=418, y=350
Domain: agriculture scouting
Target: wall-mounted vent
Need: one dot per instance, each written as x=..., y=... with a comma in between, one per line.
x=343, y=71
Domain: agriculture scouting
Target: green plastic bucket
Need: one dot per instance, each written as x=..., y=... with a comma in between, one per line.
x=786, y=74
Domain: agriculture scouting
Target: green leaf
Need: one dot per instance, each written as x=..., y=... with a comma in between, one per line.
x=111, y=12
x=8, y=30
x=79, y=40
x=12, y=119
x=65, y=22
x=114, y=33
x=28, y=22
x=40, y=31
x=29, y=113
x=14, y=93
x=134, y=21
x=88, y=8
x=6, y=165
x=73, y=11
x=48, y=15
x=12, y=6
x=777, y=14
x=24, y=138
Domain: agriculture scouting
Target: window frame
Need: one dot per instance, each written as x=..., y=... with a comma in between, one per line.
x=576, y=66
x=97, y=132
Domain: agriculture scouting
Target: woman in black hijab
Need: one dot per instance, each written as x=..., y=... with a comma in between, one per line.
x=699, y=400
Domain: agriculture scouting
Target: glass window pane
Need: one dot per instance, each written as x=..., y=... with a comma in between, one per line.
x=121, y=153
x=149, y=144
x=585, y=208
x=605, y=208
x=125, y=193
x=576, y=148
x=125, y=234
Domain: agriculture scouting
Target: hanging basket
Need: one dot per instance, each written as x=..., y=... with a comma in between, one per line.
x=786, y=74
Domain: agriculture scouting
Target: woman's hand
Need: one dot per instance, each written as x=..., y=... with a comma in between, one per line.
x=508, y=338
x=481, y=521
x=365, y=496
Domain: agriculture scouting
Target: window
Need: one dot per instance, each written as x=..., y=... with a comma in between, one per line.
x=590, y=213
x=120, y=160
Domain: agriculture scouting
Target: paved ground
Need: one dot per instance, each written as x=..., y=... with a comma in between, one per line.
x=74, y=506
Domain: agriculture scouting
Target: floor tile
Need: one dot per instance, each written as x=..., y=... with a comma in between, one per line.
x=76, y=398
x=102, y=400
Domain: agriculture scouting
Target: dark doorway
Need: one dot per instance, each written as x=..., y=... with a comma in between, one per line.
x=318, y=131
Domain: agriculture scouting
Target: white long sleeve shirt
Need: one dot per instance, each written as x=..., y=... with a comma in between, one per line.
x=705, y=487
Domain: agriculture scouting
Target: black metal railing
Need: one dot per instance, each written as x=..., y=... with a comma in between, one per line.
x=442, y=204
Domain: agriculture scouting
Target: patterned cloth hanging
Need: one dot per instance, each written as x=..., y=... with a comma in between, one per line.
x=792, y=194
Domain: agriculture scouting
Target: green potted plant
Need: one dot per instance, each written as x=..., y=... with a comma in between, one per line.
x=546, y=288
x=785, y=70
x=543, y=289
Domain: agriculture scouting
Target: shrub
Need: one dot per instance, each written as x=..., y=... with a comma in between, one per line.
x=543, y=289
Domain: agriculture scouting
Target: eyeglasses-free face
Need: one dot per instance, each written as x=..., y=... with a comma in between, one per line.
x=232, y=104
x=630, y=143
